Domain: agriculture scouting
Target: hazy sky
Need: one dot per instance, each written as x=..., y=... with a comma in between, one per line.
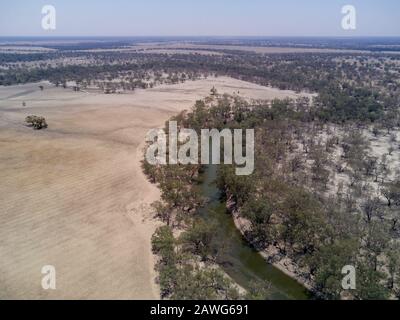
x=199, y=17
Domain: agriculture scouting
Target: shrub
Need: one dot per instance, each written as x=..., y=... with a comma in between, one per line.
x=36, y=122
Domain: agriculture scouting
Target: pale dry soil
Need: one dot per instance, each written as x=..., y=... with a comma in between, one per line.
x=74, y=196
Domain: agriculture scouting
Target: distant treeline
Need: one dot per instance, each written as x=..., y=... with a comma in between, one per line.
x=350, y=87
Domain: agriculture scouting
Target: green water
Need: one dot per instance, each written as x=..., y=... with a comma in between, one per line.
x=239, y=260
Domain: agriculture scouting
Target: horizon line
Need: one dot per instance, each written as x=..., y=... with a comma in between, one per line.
x=200, y=36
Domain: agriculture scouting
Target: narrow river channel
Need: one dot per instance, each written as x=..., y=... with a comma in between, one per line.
x=239, y=260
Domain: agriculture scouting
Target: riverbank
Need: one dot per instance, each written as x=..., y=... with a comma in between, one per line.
x=272, y=256
x=237, y=258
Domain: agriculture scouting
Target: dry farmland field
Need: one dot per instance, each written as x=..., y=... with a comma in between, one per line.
x=74, y=195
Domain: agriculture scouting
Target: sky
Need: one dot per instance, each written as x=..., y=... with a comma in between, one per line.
x=199, y=18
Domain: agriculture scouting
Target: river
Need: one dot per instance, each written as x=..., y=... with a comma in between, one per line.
x=239, y=259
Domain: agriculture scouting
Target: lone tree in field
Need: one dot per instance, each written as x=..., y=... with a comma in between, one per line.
x=36, y=122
